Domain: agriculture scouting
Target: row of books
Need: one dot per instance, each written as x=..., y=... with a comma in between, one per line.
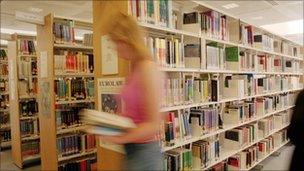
x=3, y=55
x=29, y=127
x=74, y=88
x=210, y=23
x=81, y=165
x=3, y=85
x=28, y=107
x=68, y=114
x=167, y=52
x=250, y=156
x=204, y=120
x=26, y=47
x=88, y=39
x=188, y=90
x=63, y=31
x=178, y=159
x=3, y=69
x=28, y=86
x=206, y=151
x=73, y=62
x=249, y=38
x=241, y=136
x=30, y=148
x=238, y=112
x=204, y=88
x=175, y=127
x=4, y=118
x=27, y=68
x=153, y=12
x=4, y=102
x=5, y=135
x=75, y=143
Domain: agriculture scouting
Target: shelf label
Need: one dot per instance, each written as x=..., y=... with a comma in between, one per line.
x=109, y=57
x=45, y=98
x=43, y=65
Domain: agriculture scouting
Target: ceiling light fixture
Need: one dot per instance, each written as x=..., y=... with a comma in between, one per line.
x=3, y=42
x=230, y=6
x=12, y=31
x=257, y=18
x=36, y=10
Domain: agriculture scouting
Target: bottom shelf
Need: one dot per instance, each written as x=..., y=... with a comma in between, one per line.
x=266, y=156
x=31, y=158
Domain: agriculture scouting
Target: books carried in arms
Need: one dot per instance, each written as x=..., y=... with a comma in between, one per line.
x=104, y=123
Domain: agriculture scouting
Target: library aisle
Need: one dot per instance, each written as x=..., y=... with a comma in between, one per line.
x=232, y=73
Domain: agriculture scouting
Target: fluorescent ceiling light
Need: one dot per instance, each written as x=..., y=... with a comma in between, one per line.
x=257, y=18
x=31, y=33
x=285, y=28
x=230, y=6
x=3, y=42
x=12, y=31
x=36, y=10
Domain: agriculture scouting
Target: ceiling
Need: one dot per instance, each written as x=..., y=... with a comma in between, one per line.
x=256, y=12
x=266, y=13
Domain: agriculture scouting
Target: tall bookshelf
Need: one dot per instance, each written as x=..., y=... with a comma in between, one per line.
x=5, y=130
x=64, y=63
x=274, y=66
x=23, y=104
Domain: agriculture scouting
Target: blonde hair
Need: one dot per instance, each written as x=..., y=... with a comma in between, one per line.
x=126, y=29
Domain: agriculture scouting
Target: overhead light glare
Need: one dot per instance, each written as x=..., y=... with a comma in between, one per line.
x=36, y=10
x=257, y=18
x=230, y=6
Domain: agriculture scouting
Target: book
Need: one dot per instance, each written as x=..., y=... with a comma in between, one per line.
x=81, y=165
x=232, y=58
x=63, y=31
x=214, y=25
x=73, y=62
x=30, y=148
x=204, y=151
x=26, y=47
x=76, y=88
x=95, y=119
x=192, y=55
x=75, y=143
x=204, y=120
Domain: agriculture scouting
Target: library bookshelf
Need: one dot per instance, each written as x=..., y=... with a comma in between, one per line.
x=66, y=85
x=5, y=130
x=272, y=58
x=23, y=104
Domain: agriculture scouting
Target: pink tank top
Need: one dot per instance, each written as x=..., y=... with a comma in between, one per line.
x=133, y=97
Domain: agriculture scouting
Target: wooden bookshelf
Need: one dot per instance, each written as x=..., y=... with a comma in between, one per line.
x=5, y=140
x=186, y=35
x=20, y=90
x=48, y=47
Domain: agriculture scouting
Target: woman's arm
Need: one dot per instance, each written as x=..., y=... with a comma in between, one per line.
x=151, y=87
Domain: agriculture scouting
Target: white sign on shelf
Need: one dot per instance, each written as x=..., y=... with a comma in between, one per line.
x=43, y=65
x=109, y=57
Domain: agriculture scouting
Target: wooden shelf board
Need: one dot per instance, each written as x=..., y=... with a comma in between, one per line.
x=61, y=159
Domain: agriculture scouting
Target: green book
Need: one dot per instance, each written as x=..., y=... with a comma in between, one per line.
x=232, y=54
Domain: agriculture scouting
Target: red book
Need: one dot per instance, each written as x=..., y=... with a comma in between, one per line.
x=83, y=165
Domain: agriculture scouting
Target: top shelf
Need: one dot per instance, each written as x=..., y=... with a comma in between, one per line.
x=181, y=32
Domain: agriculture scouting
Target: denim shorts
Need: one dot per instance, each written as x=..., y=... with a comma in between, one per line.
x=143, y=156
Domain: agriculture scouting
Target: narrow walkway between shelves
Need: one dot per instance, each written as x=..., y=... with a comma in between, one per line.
x=8, y=165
